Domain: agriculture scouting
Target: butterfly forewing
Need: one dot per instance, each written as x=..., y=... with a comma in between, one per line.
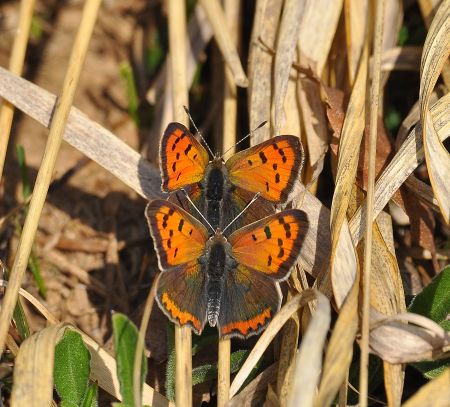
x=271, y=245
x=271, y=168
x=177, y=236
x=183, y=159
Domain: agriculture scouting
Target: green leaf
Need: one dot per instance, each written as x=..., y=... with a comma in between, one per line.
x=90, y=398
x=33, y=263
x=434, y=300
x=71, y=368
x=21, y=161
x=125, y=339
x=207, y=372
x=203, y=374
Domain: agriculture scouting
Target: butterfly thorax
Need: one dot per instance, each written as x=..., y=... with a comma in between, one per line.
x=217, y=263
x=216, y=188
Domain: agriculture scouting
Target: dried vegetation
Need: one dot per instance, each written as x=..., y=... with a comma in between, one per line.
x=364, y=84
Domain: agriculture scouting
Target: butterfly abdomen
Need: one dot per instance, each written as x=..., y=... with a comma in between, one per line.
x=216, y=269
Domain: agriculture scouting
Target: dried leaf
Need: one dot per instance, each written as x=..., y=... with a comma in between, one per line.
x=308, y=363
x=435, y=54
x=343, y=262
x=397, y=342
x=340, y=349
x=401, y=166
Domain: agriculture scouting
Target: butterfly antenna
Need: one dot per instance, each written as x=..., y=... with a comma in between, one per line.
x=197, y=130
x=262, y=124
x=198, y=210
x=243, y=210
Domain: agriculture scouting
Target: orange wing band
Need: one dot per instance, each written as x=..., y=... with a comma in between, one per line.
x=246, y=327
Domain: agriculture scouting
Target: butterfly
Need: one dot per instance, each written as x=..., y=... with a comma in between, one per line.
x=222, y=189
x=230, y=282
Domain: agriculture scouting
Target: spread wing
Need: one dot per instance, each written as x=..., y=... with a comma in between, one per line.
x=183, y=159
x=271, y=168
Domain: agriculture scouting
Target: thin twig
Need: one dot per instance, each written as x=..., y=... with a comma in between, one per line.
x=140, y=342
x=177, y=47
x=15, y=66
x=231, y=8
x=48, y=164
x=222, y=35
x=374, y=102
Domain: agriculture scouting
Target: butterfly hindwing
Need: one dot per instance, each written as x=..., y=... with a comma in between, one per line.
x=183, y=159
x=250, y=300
x=178, y=237
x=271, y=168
x=181, y=295
x=271, y=245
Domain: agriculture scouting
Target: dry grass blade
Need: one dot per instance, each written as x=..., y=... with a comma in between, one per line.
x=435, y=393
x=272, y=329
x=344, y=262
x=255, y=392
x=286, y=360
x=315, y=125
x=340, y=349
x=87, y=136
x=428, y=10
x=15, y=66
x=309, y=358
x=223, y=371
x=199, y=34
x=35, y=302
x=48, y=163
x=387, y=295
x=355, y=27
x=374, y=103
x=315, y=44
x=286, y=44
x=33, y=369
x=260, y=65
x=224, y=40
x=435, y=55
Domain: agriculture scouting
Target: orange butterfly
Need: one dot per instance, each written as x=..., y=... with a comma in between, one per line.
x=222, y=189
x=230, y=282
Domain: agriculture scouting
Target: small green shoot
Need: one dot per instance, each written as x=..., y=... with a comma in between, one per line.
x=434, y=302
x=125, y=339
x=71, y=372
x=126, y=72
